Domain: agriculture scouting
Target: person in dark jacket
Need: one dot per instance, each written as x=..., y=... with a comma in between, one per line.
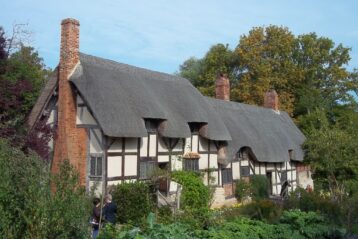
x=96, y=217
x=109, y=210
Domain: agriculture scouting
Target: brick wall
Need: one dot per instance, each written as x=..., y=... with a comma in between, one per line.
x=228, y=190
x=271, y=100
x=70, y=141
x=222, y=87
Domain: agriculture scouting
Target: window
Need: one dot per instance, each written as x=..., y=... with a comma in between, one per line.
x=151, y=125
x=283, y=176
x=96, y=166
x=191, y=164
x=146, y=167
x=227, y=175
x=245, y=171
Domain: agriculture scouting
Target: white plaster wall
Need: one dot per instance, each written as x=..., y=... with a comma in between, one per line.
x=173, y=186
x=195, y=143
x=161, y=146
x=130, y=165
x=236, y=170
x=116, y=147
x=114, y=166
x=95, y=146
x=152, y=145
x=131, y=145
x=187, y=147
x=179, y=146
x=97, y=185
x=144, y=147
x=213, y=178
x=303, y=180
x=213, y=161
x=130, y=180
x=177, y=163
x=213, y=147
x=270, y=166
x=113, y=183
x=203, y=161
x=163, y=158
x=203, y=144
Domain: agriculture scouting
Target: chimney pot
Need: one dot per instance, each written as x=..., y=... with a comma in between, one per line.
x=222, y=87
x=69, y=52
x=271, y=100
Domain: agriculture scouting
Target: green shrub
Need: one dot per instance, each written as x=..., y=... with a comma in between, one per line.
x=310, y=225
x=28, y=208
x=69, y=206
x=242, y=190
x=24, y=185
x=195, y=194
x=165, y=215
x=314, y=201
x=259, y=187
x=197, y=218
x=265, y=210
x=134, y=201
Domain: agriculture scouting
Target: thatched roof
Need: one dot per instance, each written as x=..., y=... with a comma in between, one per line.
x=268, y=133
x=122, y=96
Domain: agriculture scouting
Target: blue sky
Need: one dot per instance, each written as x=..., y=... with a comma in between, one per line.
x=160, y=35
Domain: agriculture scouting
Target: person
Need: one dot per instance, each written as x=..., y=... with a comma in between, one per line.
x=109, y=210
x=284, y=189
x=96, y=217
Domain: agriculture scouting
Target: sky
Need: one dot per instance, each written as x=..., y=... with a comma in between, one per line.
x=160, y=35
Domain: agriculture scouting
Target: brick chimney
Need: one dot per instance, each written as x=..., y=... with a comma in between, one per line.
x=271, y=100
x=222, y=87
x=70, y=141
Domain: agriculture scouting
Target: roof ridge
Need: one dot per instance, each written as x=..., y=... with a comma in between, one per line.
x=116, y=63
x=231, y=104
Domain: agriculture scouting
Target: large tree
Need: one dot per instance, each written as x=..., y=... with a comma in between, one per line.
x=307, y=71
x=22, y=76
x=203, y=72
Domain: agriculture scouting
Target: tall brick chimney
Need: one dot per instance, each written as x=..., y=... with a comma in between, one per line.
x=70, y=141
x=222, y=87
x=271, y=100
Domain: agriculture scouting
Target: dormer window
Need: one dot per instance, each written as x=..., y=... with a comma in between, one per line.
x=291, y=154
x=195, y=126
x=151, y=125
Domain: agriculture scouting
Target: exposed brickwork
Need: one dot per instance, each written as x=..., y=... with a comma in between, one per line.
x=222, y=87
x=228, y=190
x=271, y=100
x=300, y=167
x=70, y=141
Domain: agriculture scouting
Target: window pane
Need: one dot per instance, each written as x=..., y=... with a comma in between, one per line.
x=99, y=166
x=93, y=166
x=196, y=164
x=142, y=170
x=227, y=175
x=283, y=176
x=191, y=164
x=245, y=171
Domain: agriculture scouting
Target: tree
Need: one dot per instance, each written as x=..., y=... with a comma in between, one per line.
x=332, y=152
x=22, y=76
x=28, y=207
x=265, y=62
x=203, y=72
x=3, y=54
x=307, y=71
x=324, y=80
